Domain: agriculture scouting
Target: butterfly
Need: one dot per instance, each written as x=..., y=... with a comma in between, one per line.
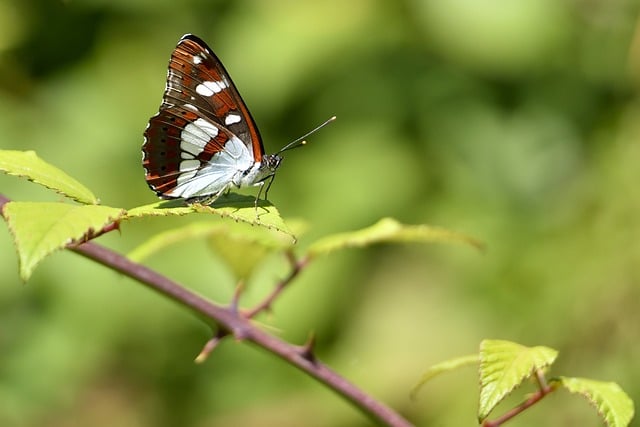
x=203, y=141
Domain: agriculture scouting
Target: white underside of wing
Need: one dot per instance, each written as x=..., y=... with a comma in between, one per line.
x=224, y=170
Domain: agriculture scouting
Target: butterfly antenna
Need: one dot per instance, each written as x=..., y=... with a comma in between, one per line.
x=301, y=141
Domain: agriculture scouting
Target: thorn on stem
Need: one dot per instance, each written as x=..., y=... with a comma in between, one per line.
x=209, y=346
x=306, y=350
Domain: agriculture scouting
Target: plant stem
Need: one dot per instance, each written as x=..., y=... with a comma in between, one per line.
x=242, y=328
x=543, y=390
x=296, y=267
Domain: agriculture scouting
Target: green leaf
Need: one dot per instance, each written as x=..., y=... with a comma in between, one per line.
x=39, y=229
x=243, y=249
x=239, y=244
x=504, y=365
x=388, y=230
x=233, y=206
x=446, y=366
x=27, y=164
x=612, y=403
x=171, y=237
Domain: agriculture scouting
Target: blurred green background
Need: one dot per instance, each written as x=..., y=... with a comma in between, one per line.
x=515, y=122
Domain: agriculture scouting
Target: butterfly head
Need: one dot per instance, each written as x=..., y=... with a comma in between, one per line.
x=264, y=170
x=272, y=162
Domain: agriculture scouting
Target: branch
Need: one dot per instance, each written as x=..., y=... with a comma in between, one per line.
x=296, y=267
x=543, y=390
x=243, y=329
x=230, y=321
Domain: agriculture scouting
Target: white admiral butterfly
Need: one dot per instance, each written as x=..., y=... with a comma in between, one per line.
x=203, y=141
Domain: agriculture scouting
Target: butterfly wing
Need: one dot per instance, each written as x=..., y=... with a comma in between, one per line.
x=203, y=134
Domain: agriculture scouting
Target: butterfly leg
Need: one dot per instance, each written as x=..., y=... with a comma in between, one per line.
x=207, y=199
x=266, y=191
x=202, y=200
x=262, y=187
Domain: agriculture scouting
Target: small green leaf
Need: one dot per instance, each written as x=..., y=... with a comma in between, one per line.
x=388, y=230
x=243, y=249
x=612, y=403
x=504, y=365
x=233, y=206
x=171, y=237
x=241, y=245
x=446, y=366
x=27, y=164
x=41, y=228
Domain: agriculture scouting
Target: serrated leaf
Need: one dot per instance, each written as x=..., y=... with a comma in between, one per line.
x=233, y=206
x=442, y=367
x=504, y=365
x=40, y=229
x=388, y=230
x=612, y=403
x=28, y=165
